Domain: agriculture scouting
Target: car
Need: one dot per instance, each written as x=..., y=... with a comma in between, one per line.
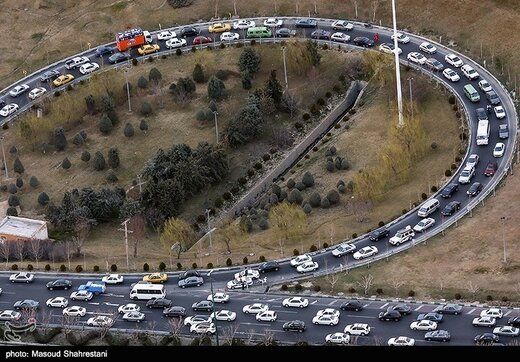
x=49, y=75
x=59, y=284
x=469, y=72
x=389, y=48
x=366, y=252
x=491, y=168
x=21, y=277
x=427, y=47
x=390, y=315
x=401, y=38
x=402, y=236
x=203, y=305
x=201, y=39
x=307, y=267
x=37, y=92
x=81, y=295
x=492, y=312
x=26, y=304
x=255, y=308
x=219, y=27
x=229, y=36
x=481, y=114
x=344, y=249
x=130, y=307
x=466, y=175
x=294, y=326
x=196, y=319
x=113, y=279
x=499, y=149
x=340, y=37
x=328, y=320
x=57, y=302
x=493, y=98
x=357, y=329
x=159, y=303
x=156, y=278
x=352, y=304
x=453, y=60
x=63, y=79
x=424, y=224
x=243, y=24
x=218, y=297
x=224, y=315
x=486, y=338
x=472, y=160
x=451, y=75
x=285, y=33
x=499, y=112
x=174, y=312
x=401, y=341
x=416, y=57
x=191, y=282
x=474, y=189
x=503, y=131
x=448, y=308
x=424, y=325
x=76, y=62
x=402, y=308
x=507, y=331
x=268, y=266
x=8, y=109
x=436, y=317
x=118, y=57
x=439, y=335
x=484, y=321
x=148, y=49
x=100, y=321
x=88, y=68
x=484, y=86
x=434, y=64
x=363, y=41
x=306, y=23
x=320, y=34
x=300, y=259
x=247, y=273
x=514, y=321
x=190, y=273
x=189, y=31
x=450, y=208
x=103, y=50
x=379, y=234
x=166, y=35
x=134, y=316
x=295, y=302
x=175, y=43
x=237, y=284
x=337, y=338
x=203, y=328
x=273, y=22
x=266, y=316
x=449, y=190
x=74, y=311
x=19, y=89
x=342, y=25
x=328, y=311
x=10, y=315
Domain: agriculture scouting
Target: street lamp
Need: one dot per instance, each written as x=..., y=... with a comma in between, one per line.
x=127, y=87
x=213, y=304
x=397, y=69
x=411, y=94
x=503, y=218
x=216, y=124
x=209, y=229
x=3, y=154
x=285, y=68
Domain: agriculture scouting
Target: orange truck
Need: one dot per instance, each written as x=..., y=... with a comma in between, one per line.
x=131, y=38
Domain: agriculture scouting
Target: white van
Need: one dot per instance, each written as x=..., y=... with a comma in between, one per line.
x=428, y=207
x=147, y=291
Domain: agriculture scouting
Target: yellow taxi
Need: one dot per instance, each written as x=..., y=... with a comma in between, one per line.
x=148, y=49
x=219, y=28
x=156, y=278
x=63, y=79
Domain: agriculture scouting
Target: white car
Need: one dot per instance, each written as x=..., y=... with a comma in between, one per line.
x=196, y=319
x=229, y=36
x=427, y=47
x=337, y=338
x=134, y=316
x=37, y=92
x=450, y=74
x=357, y=329
x=424, y=224
x=130, y=307
x=341, y=37
x=255, y=308
x=19, y=89
x=175, y=43
x=401, y=38
x=243, y=24
x=88, y=68
x=366, y=252
x=295, y=302
x=401, y=341
x=484, y=86
x=307, y=267
x=328, y=311
x=113, y=279
x=266, y=316
x=423, y=325
x=75, y=311
x=57, y=302
x=8, y=109
x=10, y=315
x=466, y=175
x=327, y=320
x=166, y=35
x=499, y=149
x=454, y=60
x=484, y=321
x=247, y=273
x=100, y=321
x=224, y=315
x=472, y=160
x=416, y=57
x=21, y=277
x=273, y=22
x=389, y=48
x=499, y=112
x=469, y=72
x=300, y=259
x=81, y=295
x=508, y=331
x=344, y=249
x=238, y=284
x=492, y=312
x=342, y=25
x=218, y=297
x=203, y=328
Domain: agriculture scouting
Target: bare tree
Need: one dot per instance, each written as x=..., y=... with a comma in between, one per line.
x=375, y=6
x=175, y=325
x=517, y=289
x=396, y=284
x=287, y=220
x=228, y=230
x=216, y=9
x=228, y=333
x=36, y=249
x=473, y=289
x=68, y=323
x=20, y=249
x=315, y=3
x=138, y=226
x=332, y=278
x=235, y=7
x=359, y=208
x=366, y=283
x=355, y=3
x=5, y=251
x=105, y=327
x=82, y=229
x=69, y=250
x=268, y=338
x=45, y=320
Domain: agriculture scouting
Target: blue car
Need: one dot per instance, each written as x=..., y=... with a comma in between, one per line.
x=435, y=317
x=104, y=51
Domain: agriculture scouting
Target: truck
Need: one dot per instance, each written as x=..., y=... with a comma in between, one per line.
x=95, y=287
x=483, y=132
x=132, y=38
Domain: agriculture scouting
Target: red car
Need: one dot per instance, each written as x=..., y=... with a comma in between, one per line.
x=490, y=168
x=201, y=39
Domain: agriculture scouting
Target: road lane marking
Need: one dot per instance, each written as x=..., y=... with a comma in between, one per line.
x=331, y=303
x=419, y=307
x=111, y=304
x=255, y=324
x=316, y=301
x=287, y=311
x=508, y=313
x=384, y=305
x=361, y=316
x=471, y=311
x=93, y=303
x=100, y=313
x=366, y=305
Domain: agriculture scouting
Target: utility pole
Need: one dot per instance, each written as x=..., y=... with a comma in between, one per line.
x=216, y=125
x=125, y=224
x=397, y=69
x=285, y=68
x=3, y=154
x=503, y=218
x=411, y=95
x=213, y=305
x=128, y=87
x=209, y=230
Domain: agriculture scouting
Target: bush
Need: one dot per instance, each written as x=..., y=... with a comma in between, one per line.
x=113, y=268
x=129, y=130
x=47, y=267
x=43, y=199
x=354, y=235
x=258, y=166
x=143, y=125
x=13, y=150
x=266, y=157
x=146, y=267
x=313, y=248
x=306, y=116
x=198, y=73
x=209, y=266
x=63, y=268
x=505, y=299
x=18, y=166
x=105, y=124
x=298, y=287
x=13, y=201
x=113, y=158
x=300, y=186
x=434, y=145
x=250, y=172
x=146, y=109
x=411, y=293
x=298, y=125
x=142, y=82
x=453, y=166
x=162, y=266
x=308, y=179
x=66, y=163
x=284, y=287
x=489, y=297
x=222, y=74
x=434, y=188
x=99, y=161
x=218, y=202
x=134, y=62
x=307, y=209
x=295, y=197
x=320, y=102
x=290, y=183
x=458, y=296
x=351, y=290
x=201, y=116
x=12, y=189
x=296, y=252
x=317, y=288
x=96, y=268
x=424, y=196
x=216, y=89
x=447, y=173
x=79, y=269
x=245, y=260
x=14, y=267
x=451, y=99
x=325, y=203
x=85, y=156
x=229, y=262
x=263, y=224
x=34, y=182
x=11, y=211
x=179, y=266
x=333, y=197
x=330, y=166
x=379, y=291
x=30, y=267
x=111, y=176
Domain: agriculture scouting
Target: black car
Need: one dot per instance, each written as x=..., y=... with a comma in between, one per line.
x=104, y=50
x=191, y=282
x=285, y=33
x=450, y=208
x=448, y=309
x=175, y=311
x=118, y=57
x=269, y=266
x=363, y=41
x=295, y=326
x=353, y=304
x=514, y=321
x=503, y=131
x=159, y=303
x=203, y=305
x=59, y=284
x=49, y=75
x=486, y=338
x=481, y=114
x=26, y=304
x=402, y=308
x=439, y=335
x=320, y=34
x=379, y=234
x=390, y=315
x=475, y=189
x=306, y=23
x=2, y=103
x=189, y=273
x=449, y=190
x=189, y=31
x=435, y=317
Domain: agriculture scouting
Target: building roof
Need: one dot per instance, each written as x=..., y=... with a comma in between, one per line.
x=21, y=226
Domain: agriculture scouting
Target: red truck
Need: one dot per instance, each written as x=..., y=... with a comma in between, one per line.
x=131, y=38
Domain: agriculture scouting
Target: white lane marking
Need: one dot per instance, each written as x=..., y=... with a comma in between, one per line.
x=361, y=316
x=331, y=303
x=508, y=313
x=8, y=293
x=111, y=304
x=366, y=305
x=113, y=295
x=254, y=324
x=419, y=307
x=93, y=303
x=314, y=302
x=100, y=313
x=384, y=305
x=471, y=311
x=287, y=311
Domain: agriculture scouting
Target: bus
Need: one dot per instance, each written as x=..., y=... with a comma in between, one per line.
x=483, y=132
x=142, y=291
x=471, y=93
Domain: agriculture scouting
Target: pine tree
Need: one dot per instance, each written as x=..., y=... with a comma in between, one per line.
x=18, y=166
x=198, y=73
x=113, y=157
x=129, y=130
x=105, y=124
x=99, y=161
